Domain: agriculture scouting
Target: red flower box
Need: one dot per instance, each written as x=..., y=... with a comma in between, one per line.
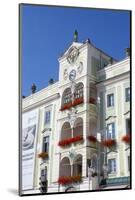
x=126, y=138
x=109, y=143
x=77, y=138
x=70, y=140
x=92, y=138
x=65, y=180
x=66, y=106
x=77, y=101
x=65, y=142
x=92, y=101
x=43, y=155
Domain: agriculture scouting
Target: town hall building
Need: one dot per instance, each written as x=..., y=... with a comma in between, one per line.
x=76, y=132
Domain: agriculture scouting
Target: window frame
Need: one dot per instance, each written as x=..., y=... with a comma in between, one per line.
x=79, y=91
x=113, y=168
x=112, y=134
x=109, y=102
x=128, y=163
x=127, y=94
x=45, y=148
x=128, y=129
x=47, y=119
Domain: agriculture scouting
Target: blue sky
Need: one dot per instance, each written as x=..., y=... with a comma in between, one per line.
x=48, y=31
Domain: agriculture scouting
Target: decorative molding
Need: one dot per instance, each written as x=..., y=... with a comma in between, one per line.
x=110, y=117
x=46, y=129
x=126, y=112
x=41, y=102
x=72, y=55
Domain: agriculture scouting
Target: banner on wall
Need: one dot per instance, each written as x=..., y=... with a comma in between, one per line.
x=29, y=136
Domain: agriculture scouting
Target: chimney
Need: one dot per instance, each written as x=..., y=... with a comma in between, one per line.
x=51, y=81
x=127, y=51
x=111, y=61
x=33, y=88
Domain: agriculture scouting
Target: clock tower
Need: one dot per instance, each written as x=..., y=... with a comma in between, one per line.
x=77, y=116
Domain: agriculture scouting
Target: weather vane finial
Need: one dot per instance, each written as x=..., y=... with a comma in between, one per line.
x=75, y=36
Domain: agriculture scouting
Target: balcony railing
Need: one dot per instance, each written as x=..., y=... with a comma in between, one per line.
x=76, y=102
x=67, y=142
x=66, y=180
x=66, y=106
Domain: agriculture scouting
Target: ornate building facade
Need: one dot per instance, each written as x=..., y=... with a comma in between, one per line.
x=76, y=132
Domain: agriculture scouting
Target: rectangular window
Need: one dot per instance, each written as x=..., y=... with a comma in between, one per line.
x=110, y=100
x=44, y=172
x=111, y=131
x=47, y=117
x=112, y=165
x=127, y=94
x=127, y=126
x=128, y=163
x=45, y=147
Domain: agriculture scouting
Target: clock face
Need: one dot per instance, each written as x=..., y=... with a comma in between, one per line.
x=72, y=75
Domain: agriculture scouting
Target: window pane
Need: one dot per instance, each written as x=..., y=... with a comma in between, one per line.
x=127, y=94
x=112, y=165
x=127, y=126
x=110, y=100
x=47, y=117
x=111, y=131
x=45, y=144
x=128, y=163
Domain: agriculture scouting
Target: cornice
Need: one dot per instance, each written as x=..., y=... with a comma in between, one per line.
x=40, y=103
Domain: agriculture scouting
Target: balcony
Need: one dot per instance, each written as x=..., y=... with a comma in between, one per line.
x=69, y=141
x=66, y=106
x=70, y=104
x=67, y=180
x=77, y=101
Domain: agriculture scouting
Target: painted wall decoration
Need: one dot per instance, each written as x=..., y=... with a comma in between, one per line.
x=29, y=136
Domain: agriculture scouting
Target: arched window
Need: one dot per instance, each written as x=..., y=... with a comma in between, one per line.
x=65, y=167
x=78, y=127
x=94, y=162
x=77, y=166
x=92, y=127
x=93, y=93
x=67, y=97
x=79, y=91
x=66, y=131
